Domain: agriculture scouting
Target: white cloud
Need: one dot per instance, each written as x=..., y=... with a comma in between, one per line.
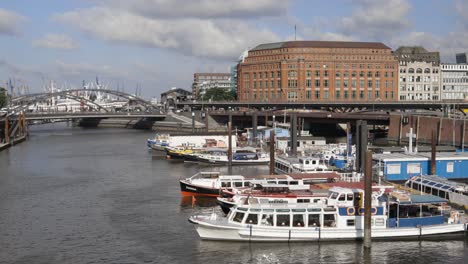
x=55, y=41
x=222, y=38
x=376, y=19
x=201, y=8
x=9, y=22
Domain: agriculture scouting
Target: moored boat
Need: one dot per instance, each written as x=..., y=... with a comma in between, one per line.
x=211, y=183
x=394, y=215
x=240, y=156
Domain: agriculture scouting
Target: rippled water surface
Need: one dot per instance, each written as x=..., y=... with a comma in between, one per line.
x=72, y=195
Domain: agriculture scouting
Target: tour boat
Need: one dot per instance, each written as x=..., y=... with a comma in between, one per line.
x=241, y=156
x=210, y=183
x=159, y=142
x=394, y=215
x=268, y=194
x=304, y=164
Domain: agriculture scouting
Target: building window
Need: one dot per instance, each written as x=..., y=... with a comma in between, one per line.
x=337, y=94
x=369, y=95
x=361, y=94
x=308, y=94
x=345, y=74
x=309, y=74
x=254, y=75
x=377, y=84
x=361, y=84
x=353, y=83
x=369, y=84
x=317, y=83
x=317, y=73
x=345, y=83
x=353, y=94
x=353, y=74
x=325, y=95
x=369, y=74
x=345, y=94
x=377, y=94
x=377, y=74
x=361, y=74
x=290, y=74
x=317, y=94
x=325, y=73
x=325, y=83
x=337, y=84
x=337, y=74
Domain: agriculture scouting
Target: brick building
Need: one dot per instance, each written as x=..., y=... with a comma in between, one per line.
x=305, y=71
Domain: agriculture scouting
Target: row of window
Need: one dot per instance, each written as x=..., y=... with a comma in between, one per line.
x=419, y=79
x=419, y=70
x=317, y=65
x=293, y=83
x=325, y=95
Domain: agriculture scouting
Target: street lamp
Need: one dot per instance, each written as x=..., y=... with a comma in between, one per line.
x=193, y=122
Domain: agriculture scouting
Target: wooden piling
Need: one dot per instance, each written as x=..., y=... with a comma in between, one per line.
x=254, y=127
x=272, y=152
x=293, y=124
x=433, y=153
x=7, y=129
x=368, y=200
x=229, y=145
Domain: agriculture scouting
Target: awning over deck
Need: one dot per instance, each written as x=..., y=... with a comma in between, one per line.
x=423, y=199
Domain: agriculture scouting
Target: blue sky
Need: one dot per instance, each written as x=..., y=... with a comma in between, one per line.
x=158, y=44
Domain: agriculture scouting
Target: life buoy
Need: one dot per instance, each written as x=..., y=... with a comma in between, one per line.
x=373, y=211
x=350, y=211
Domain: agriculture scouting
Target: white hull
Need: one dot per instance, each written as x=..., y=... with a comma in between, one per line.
x=235, y=233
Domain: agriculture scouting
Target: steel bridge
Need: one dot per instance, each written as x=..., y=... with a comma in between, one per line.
x=22, y=103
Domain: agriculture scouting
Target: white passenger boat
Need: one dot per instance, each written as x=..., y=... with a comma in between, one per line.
x=269, y=194
x=394, y=215
x=210, y=183
x=304, y=164
x=159, y=142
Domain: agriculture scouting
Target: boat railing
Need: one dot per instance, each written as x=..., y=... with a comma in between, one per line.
x=350, y=176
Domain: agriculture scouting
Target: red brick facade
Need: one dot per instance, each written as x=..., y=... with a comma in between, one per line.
x=307, y=71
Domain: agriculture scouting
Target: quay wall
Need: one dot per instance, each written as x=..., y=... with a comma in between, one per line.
x=447, y=131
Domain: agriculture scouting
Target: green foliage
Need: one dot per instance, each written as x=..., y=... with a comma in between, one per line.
x=218, y=94
x=3, y=97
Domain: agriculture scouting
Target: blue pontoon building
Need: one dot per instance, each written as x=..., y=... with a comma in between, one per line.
x=403, y=166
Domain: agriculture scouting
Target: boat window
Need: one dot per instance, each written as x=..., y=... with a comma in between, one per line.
x=282, y=210
x=303, y=200
x=349, y=196
x=314, y=220
x=329, y=220
x=282, y=220
x=252, y=219
x=294, y=183
x=342, y=197
x=283, y=182
x=253, y=201
x=238, y=184
x=379, y=222
x=247, y=184
x=242, y=209
x=267, y=220
x=298, y=220
x=226, y=184
x=317, y=201
x=271, y=182
x=329, y=209
x=307, y=162
x=269, y=210
x=350, y=222
x=238, y=217
x=255, y=210
x=314, y=210
x=334, y=195
x=298, y=210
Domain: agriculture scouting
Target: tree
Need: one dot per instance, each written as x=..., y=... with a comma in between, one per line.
x=218, y=94
x=3, y=97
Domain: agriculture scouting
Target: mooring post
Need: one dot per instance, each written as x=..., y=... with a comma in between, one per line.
x=367, y=199
x=7, y=128
x=229, y=144
x=254, y=127
x=293, y=124
x=357, y=161
x=363, y=143
x=433, y=154
x=272, y=152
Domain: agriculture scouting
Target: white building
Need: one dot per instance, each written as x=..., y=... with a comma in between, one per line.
x=454, y=81
x=419, y=74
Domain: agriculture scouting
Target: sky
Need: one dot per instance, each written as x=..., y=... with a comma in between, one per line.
x=159, y=44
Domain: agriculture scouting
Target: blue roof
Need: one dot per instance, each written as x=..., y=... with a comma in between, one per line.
x=424, y=199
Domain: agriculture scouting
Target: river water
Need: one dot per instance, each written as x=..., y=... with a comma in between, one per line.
x=73, y=195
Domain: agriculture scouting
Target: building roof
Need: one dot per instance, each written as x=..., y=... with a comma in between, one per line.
x=177, y=90
x=320, y=44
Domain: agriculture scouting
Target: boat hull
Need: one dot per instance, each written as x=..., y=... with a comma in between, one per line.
x=208, y=231
x=234, y=162
x=188, y=189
